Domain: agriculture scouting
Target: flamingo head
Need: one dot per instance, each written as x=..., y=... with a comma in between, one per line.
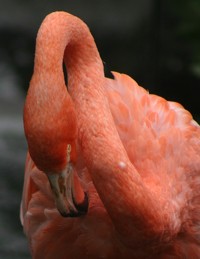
x=51, y=132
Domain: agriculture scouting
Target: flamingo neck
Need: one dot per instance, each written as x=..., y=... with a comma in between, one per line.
x=64, y=35
x=115, y=178
x=49, y=114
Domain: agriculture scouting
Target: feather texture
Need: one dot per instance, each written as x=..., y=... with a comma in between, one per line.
x=138, y=158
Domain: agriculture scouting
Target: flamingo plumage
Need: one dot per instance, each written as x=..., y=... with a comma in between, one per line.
x=112, y=171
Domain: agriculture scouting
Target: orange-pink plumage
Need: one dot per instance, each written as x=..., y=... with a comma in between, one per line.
x=123, y=165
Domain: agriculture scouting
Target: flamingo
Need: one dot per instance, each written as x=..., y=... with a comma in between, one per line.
x=111, y=171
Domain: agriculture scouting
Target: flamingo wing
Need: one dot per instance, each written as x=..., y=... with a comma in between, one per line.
x=163, y=142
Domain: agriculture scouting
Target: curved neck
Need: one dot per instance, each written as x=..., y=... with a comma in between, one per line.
x=65, y=34
x=118, y=183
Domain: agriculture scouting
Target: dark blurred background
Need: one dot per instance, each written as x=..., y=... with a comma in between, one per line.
x=156, y=42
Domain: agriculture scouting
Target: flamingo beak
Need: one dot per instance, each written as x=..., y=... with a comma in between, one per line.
x=63, y=189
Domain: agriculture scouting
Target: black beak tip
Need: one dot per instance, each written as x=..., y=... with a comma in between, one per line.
x=82, y=209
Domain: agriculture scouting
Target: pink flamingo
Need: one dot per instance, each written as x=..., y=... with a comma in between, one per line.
x=121, y=166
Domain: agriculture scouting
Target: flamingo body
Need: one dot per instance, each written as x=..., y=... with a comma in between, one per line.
x=138, y=159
